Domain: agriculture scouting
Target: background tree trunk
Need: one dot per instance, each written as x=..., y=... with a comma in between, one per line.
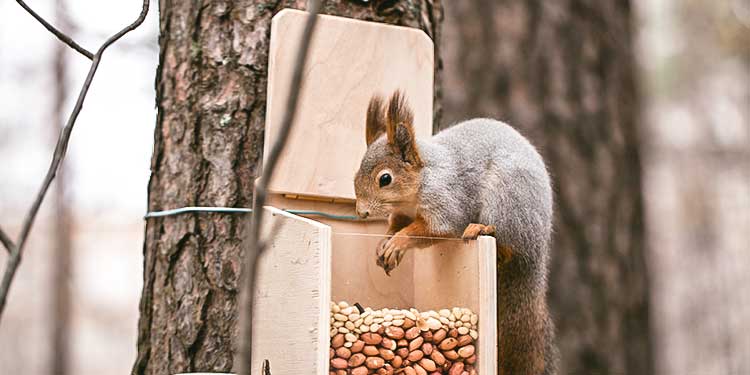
x=563, y=73
x=211, y=93
x=62, y=233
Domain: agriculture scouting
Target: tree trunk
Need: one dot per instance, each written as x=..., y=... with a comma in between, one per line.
x=563, y=73
x=211, y=96
x=62, y=234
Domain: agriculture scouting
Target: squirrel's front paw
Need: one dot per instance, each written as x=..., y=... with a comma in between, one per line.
x=473, y=231
x=391, y=252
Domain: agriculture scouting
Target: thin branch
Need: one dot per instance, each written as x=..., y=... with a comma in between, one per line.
x=266, y=369
x=243, y=361
x=7, y=242
x=60, y=150
x=59, y=34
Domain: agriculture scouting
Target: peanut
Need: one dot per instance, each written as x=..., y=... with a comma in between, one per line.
x=388, y=343
x=371, y=338
x=416, y=344
x=411, y=333
x=439, y=335
x=337, y=341
x=427, y=364
x=386, y=354
x=370, y=350
x=467, y=351
x=456, y=369
x=338, y=363
x=357, y=346
x=356, y=360
x=343, y=352
x=448, y=344
x=464, y=340
x=438, y=358
x=394, y=332
x=398, y=341
x=374, y=362
x=415, y=355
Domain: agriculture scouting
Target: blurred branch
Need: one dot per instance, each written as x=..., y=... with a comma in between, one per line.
x=255, y=247
x=62, y=145
x=7, y=242
x=59, y=34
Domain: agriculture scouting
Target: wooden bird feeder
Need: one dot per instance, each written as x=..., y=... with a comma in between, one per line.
x=311, y=261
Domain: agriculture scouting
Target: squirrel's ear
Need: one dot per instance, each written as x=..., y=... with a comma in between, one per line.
x=400, y=129
x=375, y=126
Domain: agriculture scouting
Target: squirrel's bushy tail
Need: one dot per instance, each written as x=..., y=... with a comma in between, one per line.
x=525, y=330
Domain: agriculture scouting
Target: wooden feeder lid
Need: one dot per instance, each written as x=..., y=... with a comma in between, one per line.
x=348, y=62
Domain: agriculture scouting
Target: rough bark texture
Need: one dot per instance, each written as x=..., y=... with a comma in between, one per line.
x=211, y=92
x=563, y=73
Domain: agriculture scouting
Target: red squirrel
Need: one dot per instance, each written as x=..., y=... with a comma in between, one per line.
x=478, y=177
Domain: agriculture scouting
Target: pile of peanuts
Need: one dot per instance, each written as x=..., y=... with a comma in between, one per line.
x=395, y=341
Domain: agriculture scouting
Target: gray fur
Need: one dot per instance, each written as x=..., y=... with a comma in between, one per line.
x=483, y=171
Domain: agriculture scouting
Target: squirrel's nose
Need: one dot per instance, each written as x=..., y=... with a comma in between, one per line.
x=363, y=214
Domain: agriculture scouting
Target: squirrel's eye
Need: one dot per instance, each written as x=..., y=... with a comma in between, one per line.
x=385, y=179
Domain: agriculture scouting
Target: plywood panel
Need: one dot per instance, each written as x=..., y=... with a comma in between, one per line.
x=357, y=278
x=447, y=275
x=454, y=273
x=291, y=307
x=349, y=61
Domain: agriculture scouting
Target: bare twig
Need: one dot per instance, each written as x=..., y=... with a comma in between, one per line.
x=60, y=150
x=243, y=360
x=7, y=242
x=59, y=34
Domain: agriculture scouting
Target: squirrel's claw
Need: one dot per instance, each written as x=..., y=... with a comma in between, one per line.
x=391, y=253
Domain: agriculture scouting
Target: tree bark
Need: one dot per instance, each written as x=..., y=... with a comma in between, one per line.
x=563, y=73
x=211, y=96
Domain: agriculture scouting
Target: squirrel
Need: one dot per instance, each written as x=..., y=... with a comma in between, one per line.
x=478, y=177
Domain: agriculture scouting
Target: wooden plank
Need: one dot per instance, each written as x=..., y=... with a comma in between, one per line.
x=291, y=316
x=488, y=338
x=357, y=278
x=349, y=61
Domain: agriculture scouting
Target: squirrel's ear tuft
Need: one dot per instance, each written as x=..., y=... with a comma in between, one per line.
x=400, y=129
x=375, y=126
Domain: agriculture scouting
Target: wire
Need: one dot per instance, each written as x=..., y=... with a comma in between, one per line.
x=240, y=210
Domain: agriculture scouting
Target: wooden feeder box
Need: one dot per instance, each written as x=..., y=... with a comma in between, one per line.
x=312, y=261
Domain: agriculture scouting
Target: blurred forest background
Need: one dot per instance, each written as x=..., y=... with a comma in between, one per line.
x=75, y=303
